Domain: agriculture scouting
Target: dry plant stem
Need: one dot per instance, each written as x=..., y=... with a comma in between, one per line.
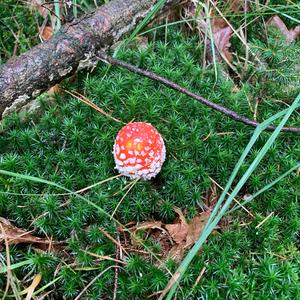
x=91, y=282
x=237, y=201
x=76, y=192
x=88, y=102
x=97, y=183
x=104, y=257
x=265, y=220
x=9, y=275
x=131, y=186
x=35, y=282
x=199, y=278
x=227, y=112
x=116, y=270
x=113, y=240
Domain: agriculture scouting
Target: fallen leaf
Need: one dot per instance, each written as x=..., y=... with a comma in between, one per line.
x=186, y=234
x=176, y=252
x=196, y=227
x=46, y=32
x=290, y=35
x=15, y=235
x=180, y=214
x=136, y=241
x=222, y=33
x=178, y=231
x=174, y=239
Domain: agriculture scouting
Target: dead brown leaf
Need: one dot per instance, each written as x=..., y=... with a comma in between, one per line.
x=154, y=226
x=176, y=252
x=290, y=35
x=221, y=37
x=178, y=231
x=15, y=235
x=195, y=228
x=221, y=31
x=185, y=234
x=46, y=32
x=174, y=239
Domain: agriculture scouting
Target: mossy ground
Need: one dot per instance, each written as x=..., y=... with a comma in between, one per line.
x=71, y=144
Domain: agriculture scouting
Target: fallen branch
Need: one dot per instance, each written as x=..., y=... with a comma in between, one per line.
x=27, y=76
x=227, y=112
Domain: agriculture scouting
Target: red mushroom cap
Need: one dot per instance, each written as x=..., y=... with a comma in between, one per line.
x=139, y=151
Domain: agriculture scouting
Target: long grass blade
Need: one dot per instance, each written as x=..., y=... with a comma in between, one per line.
x=40, y=180
x=212, y=223
x=265, y=188
x=3, y=269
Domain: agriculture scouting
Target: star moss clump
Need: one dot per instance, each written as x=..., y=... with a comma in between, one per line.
x=71, y=145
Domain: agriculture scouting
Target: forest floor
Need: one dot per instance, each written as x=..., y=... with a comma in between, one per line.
x=73, y=242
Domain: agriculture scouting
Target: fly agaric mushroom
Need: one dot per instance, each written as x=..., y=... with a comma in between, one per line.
x=139, y=151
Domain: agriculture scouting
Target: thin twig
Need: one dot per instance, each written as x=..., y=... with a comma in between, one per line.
x=199, y=277
x=91, y=104
x=112, y=239
x=133, y=183
x=92, y=281
x=104, y=257
x=237, y=201
x=265, y=220
x=229, y=113
x=116, y=269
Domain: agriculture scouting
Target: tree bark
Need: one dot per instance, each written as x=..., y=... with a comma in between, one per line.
x=27, y=76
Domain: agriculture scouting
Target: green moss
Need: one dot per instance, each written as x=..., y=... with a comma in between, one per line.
x=72, y=144
x=16, y=36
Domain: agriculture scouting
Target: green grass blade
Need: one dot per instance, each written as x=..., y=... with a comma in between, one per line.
x=265, y=188
x=57, y=14
x=3, y=269
x=46, y=285
x=143, y=23
x=40, y=180
x=280, y=12
x=248, y=148
x=208, y=229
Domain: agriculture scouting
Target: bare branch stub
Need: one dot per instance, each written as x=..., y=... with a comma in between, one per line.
x=27, y=76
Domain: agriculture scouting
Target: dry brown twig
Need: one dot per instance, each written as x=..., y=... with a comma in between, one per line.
x=227, y=112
